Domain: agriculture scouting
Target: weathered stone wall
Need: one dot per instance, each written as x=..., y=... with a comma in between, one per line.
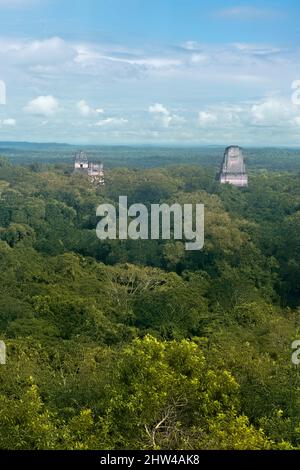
x=233, y=167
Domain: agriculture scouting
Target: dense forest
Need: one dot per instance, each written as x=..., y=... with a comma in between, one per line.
x=141, y=344
x=147, y=156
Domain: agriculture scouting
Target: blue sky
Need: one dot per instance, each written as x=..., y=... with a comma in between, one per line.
x=135, y=71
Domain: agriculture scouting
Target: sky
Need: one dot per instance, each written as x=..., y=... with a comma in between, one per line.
x=172, y=72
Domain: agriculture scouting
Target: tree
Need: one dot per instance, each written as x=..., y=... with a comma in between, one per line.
x=165, y=397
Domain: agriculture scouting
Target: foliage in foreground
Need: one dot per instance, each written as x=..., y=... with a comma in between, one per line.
x=120, y=345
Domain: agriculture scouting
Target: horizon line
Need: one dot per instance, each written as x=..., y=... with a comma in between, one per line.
x=146, y=144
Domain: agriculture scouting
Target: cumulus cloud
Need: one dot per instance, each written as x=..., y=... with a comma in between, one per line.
x=158, y=108
x=273, y=111
x=223, y=116
x=199, y=75
x=86, y=110
x=43, y=106
x=163, y=114
x=206, y=119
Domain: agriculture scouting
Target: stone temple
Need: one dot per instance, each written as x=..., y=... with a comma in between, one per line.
x=233, y=169
x=94, y=171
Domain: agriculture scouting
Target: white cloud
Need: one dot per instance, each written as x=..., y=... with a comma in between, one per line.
x=164, y=115
x=16, y=3
x=191, y=46
x=272, y=111
x=248, y=12
x=111, y=121
x=200, y=78
x=88, y=54
x=257, y=49
x=198, y=58
x=158, y=108
x=10, y=122
x=115, y=64
x=207, y=119
x=223, y=116
x=43, y=106
x=86, y=110
x=47, y=52
x=54, y=58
